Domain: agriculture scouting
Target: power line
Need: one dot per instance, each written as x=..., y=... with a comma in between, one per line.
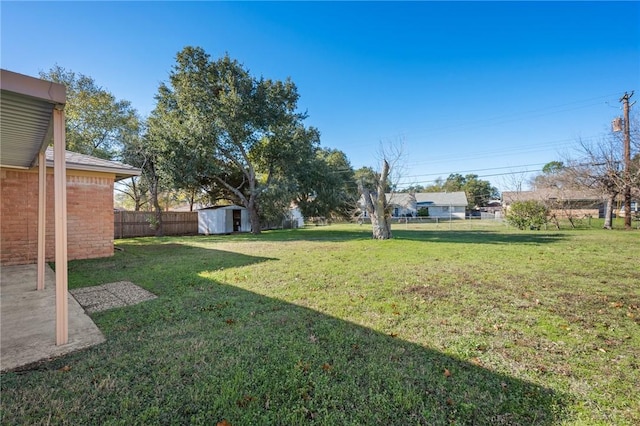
x=502, y=152
x=515, y=172
x=563, y=143
x=477, y=170
x=506, y=118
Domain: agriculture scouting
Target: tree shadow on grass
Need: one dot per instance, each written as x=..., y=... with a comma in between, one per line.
x=327, y=234
x=324, y=233
x=166, y=262
x=479, y=237
x=205, y=351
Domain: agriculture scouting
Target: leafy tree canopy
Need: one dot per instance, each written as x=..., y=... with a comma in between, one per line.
x=326, y=187
x=553, y=167
x=414, y=189
x=369, y=179
x=238, y=136
x=96, y=122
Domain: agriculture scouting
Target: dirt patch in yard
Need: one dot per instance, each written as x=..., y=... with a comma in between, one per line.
x=428, y=292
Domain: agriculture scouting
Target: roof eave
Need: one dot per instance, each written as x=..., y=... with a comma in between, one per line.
x=37, y=88
x=120, y=173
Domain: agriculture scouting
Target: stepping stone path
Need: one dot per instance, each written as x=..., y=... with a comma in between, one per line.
x=108, y=296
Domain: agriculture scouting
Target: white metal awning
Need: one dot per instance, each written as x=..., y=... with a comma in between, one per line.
x=26, y=119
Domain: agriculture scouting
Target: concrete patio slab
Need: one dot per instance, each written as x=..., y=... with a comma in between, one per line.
x=27, y=327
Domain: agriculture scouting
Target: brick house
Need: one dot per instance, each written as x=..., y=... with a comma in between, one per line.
x=562, y=203
x=38, y=221
x=90, y=184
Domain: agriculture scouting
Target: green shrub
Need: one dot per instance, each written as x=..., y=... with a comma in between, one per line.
x=527, y=214
x=423, y=212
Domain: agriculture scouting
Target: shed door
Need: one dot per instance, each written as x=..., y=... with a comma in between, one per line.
x=237, y=221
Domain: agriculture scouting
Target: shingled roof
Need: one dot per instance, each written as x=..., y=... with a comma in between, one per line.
x=77, y=161
x=545, y=194
x=428, y=199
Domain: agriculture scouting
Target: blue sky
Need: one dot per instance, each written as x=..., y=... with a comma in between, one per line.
x=491, y=88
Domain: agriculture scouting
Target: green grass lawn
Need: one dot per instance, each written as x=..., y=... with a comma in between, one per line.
x=441, y=325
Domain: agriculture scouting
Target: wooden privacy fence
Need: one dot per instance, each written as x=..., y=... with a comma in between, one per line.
x=139, y=224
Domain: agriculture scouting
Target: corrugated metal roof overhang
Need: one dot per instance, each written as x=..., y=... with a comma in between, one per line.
x=26, y=105
x=26, y=127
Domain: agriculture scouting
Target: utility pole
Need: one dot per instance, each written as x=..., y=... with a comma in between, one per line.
x=627, y=160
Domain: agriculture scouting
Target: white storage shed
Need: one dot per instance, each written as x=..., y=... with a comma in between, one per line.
x=223, y=220
x=296, y=217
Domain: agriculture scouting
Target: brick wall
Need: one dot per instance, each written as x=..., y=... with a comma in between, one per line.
x=89, y=216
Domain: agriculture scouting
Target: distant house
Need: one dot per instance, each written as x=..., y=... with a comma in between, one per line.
x=635, y=209
x=492, y=206
x=561, y=202
x=444, y=205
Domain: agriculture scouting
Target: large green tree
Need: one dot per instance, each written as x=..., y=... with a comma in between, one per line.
x=97, y=123
x=326, y=188
x=238, y=136
x=134, y=192
x=478, y=191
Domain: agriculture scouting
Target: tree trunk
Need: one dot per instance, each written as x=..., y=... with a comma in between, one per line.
x=627, y=204
x=383, y=230
x=254, y=216
x=380, y=227
x=376, y=206
x=380, y=219
x=608, y=214
x=158, y=211
x=155, y=183
x=135, y=196
x=192, y=199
